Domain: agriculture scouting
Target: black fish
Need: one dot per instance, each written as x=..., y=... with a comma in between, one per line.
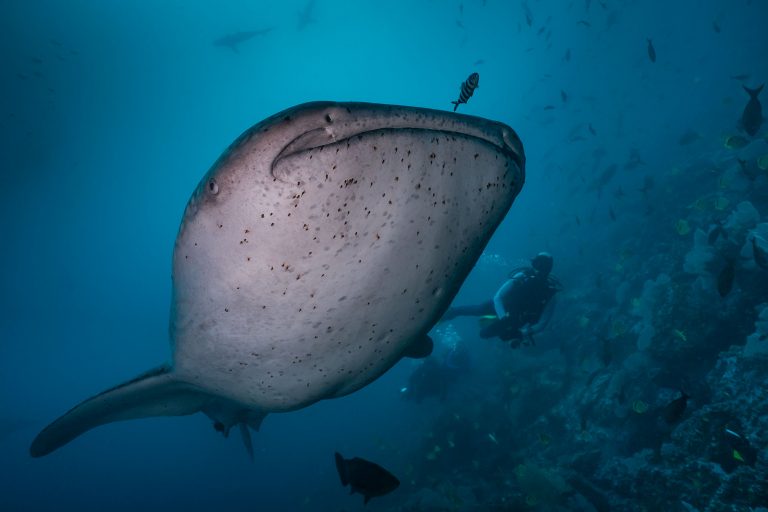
x=567, y=56
x=468, y=87
x=752, y=117
x=674, y=410
x=751, y=172
x=725, y=278
x=651, y=51
x=592, y=129
x=563, y=96
x=367, y=478
x=761, y=258
x=716, y=232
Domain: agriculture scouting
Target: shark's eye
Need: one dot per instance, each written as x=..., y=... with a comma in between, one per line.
x=213, y=187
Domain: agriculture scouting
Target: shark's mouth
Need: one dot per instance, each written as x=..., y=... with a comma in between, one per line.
x=343, y=121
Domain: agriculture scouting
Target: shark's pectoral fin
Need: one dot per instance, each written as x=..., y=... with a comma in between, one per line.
x=227, y=414
x=155, y=393
x=420, y=348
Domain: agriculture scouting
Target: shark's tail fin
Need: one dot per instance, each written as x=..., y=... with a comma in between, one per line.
x=753, y=92
x=155, y=393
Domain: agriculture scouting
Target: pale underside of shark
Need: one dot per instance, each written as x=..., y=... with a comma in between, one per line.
x=318, y=250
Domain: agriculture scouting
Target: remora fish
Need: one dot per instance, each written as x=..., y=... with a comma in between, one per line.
x=319, y=250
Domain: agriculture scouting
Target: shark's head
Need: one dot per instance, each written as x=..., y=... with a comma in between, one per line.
x=258, y=153
x=320, y=210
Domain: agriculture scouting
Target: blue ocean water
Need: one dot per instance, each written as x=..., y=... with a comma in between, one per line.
x=111, y=112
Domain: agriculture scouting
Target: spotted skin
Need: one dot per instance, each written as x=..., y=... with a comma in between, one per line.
x=319, y=247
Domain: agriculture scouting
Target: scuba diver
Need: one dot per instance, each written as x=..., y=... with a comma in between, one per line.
x=522, y=307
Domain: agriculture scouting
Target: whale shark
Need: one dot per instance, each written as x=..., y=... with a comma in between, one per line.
x=318, y=251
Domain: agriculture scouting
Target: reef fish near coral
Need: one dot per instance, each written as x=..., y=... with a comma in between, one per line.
x=674, y=410
x=365, y=477
x=725, y=278
x=322, y=211
x=752, y=117
x=761, y=258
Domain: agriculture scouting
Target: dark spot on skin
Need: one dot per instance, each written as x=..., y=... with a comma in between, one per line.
x=328, y=118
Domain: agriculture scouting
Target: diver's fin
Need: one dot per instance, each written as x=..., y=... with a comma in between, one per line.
x=419, y=348
x=155, y=393
x=246, y=434
x=753, y=92
x=455, y=105
x=341, y=467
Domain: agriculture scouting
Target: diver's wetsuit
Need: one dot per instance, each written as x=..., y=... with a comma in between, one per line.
x=523, y=299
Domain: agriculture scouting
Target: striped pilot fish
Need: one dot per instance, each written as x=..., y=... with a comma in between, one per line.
x=468, y=87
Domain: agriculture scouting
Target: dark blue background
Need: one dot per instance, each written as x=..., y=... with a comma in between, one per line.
x=103, y=141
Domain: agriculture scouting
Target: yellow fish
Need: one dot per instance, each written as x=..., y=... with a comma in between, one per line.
x=699, y=204
x=721, y=203
x=762, y=162
x=682, y=227
x=735, y=141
